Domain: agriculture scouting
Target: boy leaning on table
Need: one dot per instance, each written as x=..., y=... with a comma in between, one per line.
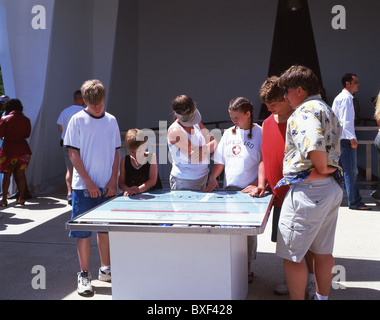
x=93, y=140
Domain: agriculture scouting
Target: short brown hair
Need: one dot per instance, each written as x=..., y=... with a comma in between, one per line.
x=300, y=76
x=93, y=92
x=270, y=91
x=134, y=138
x=183, y=105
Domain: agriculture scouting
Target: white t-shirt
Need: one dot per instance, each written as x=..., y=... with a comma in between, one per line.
x=65, y=117
x=181, y=164
x=97, y=140
x=240, y=156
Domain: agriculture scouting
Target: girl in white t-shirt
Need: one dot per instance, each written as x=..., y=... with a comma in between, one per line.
x=190, y=145
x=239, y=151
x=239, y=154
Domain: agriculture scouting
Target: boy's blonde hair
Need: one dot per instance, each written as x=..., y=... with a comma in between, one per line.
x=93, y=92
x=134, y=138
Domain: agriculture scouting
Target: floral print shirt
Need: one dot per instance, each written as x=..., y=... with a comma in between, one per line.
x=312, y=126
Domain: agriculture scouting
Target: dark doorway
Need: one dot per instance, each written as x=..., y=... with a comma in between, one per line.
x=293, y=42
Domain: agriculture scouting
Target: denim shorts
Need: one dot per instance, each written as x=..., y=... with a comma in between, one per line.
x=82, y=203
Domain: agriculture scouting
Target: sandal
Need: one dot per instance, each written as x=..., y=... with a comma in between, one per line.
x=21, y=202
x=363, y=208
x=3, y=203
x=250, y=277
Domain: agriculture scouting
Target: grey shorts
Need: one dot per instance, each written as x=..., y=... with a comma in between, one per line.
x=186, y=184
x=308, y=219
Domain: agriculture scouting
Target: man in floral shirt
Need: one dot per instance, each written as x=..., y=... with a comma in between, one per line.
x=311, y=168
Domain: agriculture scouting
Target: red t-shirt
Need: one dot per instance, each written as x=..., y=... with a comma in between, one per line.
x=272, y=148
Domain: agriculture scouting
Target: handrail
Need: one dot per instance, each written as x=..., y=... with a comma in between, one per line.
x=368, y=144
x=368, y=154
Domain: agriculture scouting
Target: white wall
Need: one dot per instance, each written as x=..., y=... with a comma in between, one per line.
x=212, y=50
x=354, y=49
x=149, y=51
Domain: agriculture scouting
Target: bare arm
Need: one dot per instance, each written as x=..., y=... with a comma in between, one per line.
x=111, y=186
x=322, y=170
x=262, y=181
x=212, y=182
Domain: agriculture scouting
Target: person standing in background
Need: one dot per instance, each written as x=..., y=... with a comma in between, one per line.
x=15, y=153
x=376, y=194
x=62, y=122
x=343, y=107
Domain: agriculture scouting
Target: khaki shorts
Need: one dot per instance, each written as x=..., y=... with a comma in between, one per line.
x=308, y=219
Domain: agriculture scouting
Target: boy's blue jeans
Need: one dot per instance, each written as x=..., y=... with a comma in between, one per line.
x=82, y=203
x=348, y=161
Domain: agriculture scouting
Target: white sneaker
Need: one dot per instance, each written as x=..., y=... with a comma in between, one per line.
x=281, y=288
x=105, y=274
x=84, y=284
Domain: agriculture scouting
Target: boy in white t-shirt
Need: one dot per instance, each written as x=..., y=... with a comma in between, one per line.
x=93, y=139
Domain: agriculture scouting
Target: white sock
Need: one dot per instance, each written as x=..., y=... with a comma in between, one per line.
x=105, y=268
x=319, y=297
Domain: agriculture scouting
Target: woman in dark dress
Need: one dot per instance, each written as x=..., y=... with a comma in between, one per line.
x=15, y=153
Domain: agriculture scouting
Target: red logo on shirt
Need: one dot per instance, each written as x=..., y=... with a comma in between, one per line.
x=236, y=150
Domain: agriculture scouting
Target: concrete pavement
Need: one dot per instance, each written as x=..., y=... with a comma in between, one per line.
x=34, y=235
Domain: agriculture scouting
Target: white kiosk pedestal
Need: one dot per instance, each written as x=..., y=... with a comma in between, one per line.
x=174, y=266
x=171, y=245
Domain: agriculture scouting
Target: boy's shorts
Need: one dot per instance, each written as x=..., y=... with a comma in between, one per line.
x=308, y=219
x=82, y=203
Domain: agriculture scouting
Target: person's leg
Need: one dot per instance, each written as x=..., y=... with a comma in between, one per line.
x=21, y=184
x=6, y=181
x=68, y=179
x=296, y=278
x=323, y=265
x=83, y=248
x=349, y=164
x=104, y=249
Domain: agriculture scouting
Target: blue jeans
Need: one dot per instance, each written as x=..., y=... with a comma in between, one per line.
x=82, y=203
x=348, y=161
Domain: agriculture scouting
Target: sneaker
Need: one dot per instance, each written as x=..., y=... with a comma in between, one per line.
x=281, y=289
x=84, y=284
x=104, y=274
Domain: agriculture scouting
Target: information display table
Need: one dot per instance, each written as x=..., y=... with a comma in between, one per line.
x=168, y=244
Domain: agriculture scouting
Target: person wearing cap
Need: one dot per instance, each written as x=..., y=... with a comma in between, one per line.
x=190, y=145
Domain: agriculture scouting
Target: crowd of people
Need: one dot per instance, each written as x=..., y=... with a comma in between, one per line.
x=304, y=153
